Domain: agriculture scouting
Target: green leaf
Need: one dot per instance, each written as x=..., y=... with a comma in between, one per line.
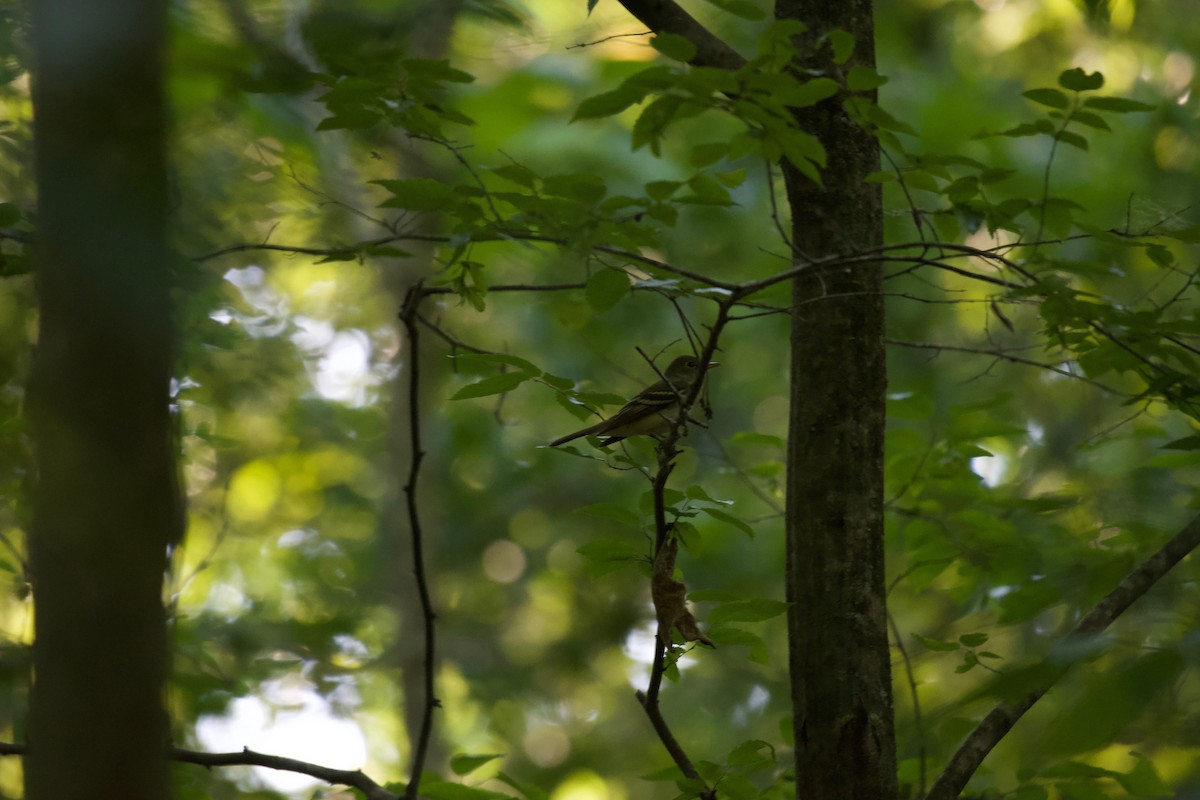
x=731, y=179
x=583, y=188
x=528, y=791
x=341, y=255
x=9, y=214
x=1118, y=105
x=935, y=645
x=590, y=5
x=1048, y=97
x=808, y=93
x=752, y=754
x=754, y=438
x=1186, y=443
x=740, y=8
x=437, y=69
x=417, y=194
x=1073, y=139
x=480, y=361
x=497, y=384
x=725, y=516
x=355, y=119
x=1041, y=126
x=653, y=121
x=670, y=773
x=753, y=610
x=909, y=405
x=1112, y=701
x=433, y=785
x=696, y=492
x=1076, y=769
x=1143, y=780
x=962, y=189
x=728, y=636
x=522, y=176
x=608, y=103
x=842, y=43
x=973, y=639
x=613, y=511
x=864, y=79
x=739, y=787
x=662, y=190
x=708, y=153
x=708, y=191
x=1080, y=790
x=464, y=764
x=805, y=152
x=674, y=46
x=609, y=554
x=606, y=288
x=1079, y=81
x=1160, y=254
x=1091, y=120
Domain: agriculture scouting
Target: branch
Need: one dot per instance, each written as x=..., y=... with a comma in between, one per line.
x=1003, y=717
x=409, y=316
x=918, y=721
x=344, y=777
x=665, y=16
x=1002, y=355
x=664, y=588
x=499, y=236
x=249, y=758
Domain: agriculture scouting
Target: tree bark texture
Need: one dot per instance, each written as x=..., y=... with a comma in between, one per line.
x=106, y=502
x=837, y=625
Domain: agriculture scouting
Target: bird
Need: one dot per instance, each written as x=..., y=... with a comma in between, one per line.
x=652, y=411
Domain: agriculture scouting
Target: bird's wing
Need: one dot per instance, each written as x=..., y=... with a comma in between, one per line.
x=654, y=400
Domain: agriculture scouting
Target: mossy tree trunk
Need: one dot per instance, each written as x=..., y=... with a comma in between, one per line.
x=837, y=624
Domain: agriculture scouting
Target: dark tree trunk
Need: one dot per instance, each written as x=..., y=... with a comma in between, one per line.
x=106, y=502
x=837, y=625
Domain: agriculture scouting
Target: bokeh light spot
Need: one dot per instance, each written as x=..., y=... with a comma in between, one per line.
x=547, y=746
x=503, y=561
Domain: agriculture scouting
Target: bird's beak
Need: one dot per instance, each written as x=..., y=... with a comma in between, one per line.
x=712, y=364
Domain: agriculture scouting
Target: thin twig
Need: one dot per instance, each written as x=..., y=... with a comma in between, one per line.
x=408, y=316
x=918, y=720
x=608, y=39
x=775, y=208
x=1006, y=356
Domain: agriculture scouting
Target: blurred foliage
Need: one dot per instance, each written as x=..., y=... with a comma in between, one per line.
x=1017, y=494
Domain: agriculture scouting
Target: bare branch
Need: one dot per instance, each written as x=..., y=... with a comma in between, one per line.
x=250, y=758
x=342, y=777
x=665, y=16
x=408, y=316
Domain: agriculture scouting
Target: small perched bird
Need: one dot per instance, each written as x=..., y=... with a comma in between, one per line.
x=652, y=411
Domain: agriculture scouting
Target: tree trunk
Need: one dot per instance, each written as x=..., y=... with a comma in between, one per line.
x=106, y=502
x=837, y=624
